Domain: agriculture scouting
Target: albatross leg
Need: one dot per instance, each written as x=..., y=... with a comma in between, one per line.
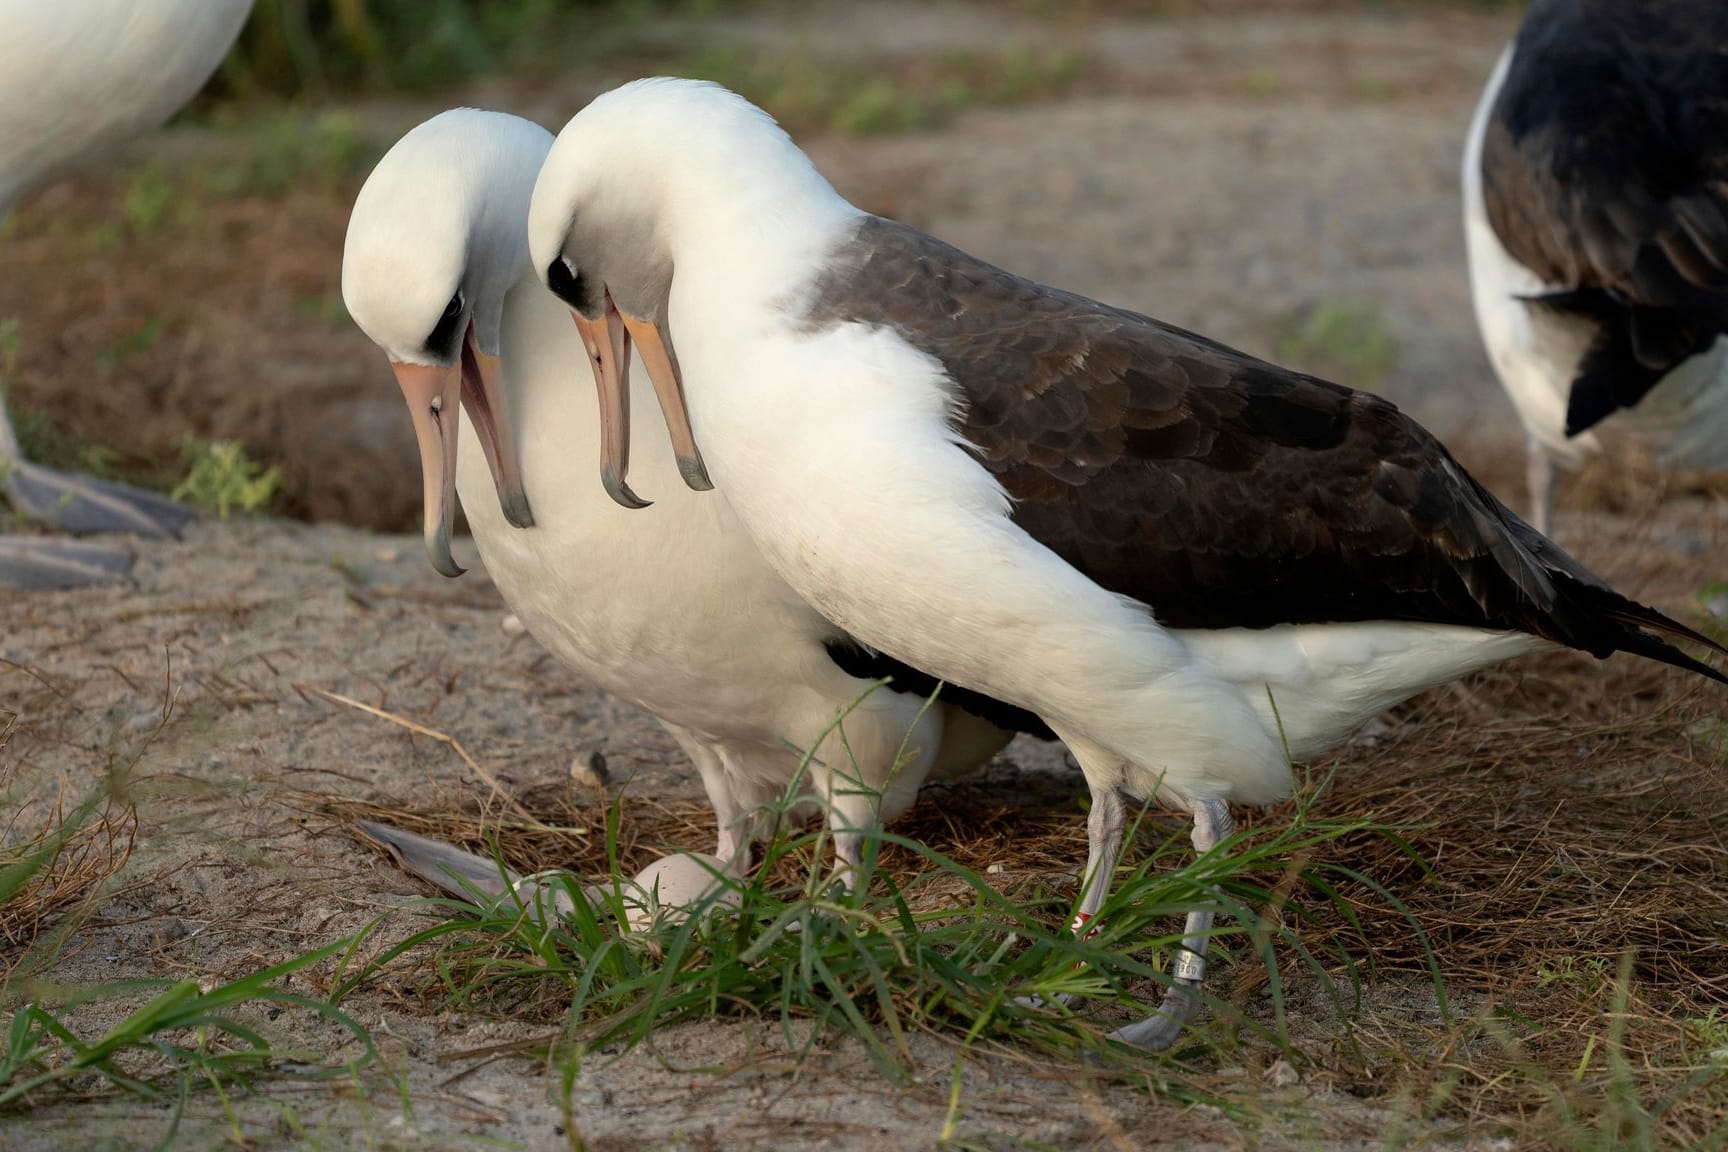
x=76, y=504
x=82, y=503
x=735, y=841
x=1159, y=1030
x=853, y=809
x=1105, y=825
x=42, y=562
x=1539, y=473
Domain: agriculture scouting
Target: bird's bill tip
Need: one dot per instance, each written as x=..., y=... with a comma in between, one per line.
x=607, y=342
x=484, y=400
x=659, y=357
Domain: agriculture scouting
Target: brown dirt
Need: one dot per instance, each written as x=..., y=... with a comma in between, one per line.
x=1226, y=171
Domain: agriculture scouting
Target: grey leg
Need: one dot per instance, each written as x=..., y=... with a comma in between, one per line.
x=1158, y=1031
x=852, y=810
x=1539, y=473
x=733, y=843
x=42, y=562
x=1104, y=827
x=81, y=504
x=75, y=504
x=859, y=776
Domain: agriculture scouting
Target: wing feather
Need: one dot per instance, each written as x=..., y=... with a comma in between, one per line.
x=1605, y=172
x=1217, y=489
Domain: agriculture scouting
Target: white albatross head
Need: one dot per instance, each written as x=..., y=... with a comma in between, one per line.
x=626, y=173
x=436, y=241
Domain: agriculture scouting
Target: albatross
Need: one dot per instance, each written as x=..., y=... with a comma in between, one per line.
x=1188, y=562
x=1596, y=222
x=671, y=608
x=77, y=80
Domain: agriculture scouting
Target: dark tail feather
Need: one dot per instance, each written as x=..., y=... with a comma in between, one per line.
x=1643, y=644
x=1637, y=622
x=1588, y=615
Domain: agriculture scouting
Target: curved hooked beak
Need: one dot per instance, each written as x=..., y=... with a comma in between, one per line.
x=608, y=343
x=483, y=400
x=435, y=396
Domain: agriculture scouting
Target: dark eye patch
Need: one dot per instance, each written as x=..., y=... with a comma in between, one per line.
x=569, y=286
x=446, y=338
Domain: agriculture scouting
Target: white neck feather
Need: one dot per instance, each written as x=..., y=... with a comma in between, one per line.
x=758, y=204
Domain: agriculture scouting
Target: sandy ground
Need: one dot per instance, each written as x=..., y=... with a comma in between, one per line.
x=1224, y=172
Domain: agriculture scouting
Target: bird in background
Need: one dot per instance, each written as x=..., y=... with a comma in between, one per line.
x=1596, y=224
x=78, y=81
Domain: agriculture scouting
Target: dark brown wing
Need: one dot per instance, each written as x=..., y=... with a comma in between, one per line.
x=1217, y=489
x=1605, y=172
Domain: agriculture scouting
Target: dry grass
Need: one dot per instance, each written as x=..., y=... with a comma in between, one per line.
x=1546, y=851
x=57, y=859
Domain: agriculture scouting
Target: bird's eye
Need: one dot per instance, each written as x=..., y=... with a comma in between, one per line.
x=443, y=343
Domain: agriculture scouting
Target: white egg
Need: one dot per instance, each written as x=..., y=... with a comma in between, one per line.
x=664, y=891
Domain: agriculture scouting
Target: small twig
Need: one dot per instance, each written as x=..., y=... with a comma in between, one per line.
x=196, y=608
x=443, y=738
x=41, y=677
